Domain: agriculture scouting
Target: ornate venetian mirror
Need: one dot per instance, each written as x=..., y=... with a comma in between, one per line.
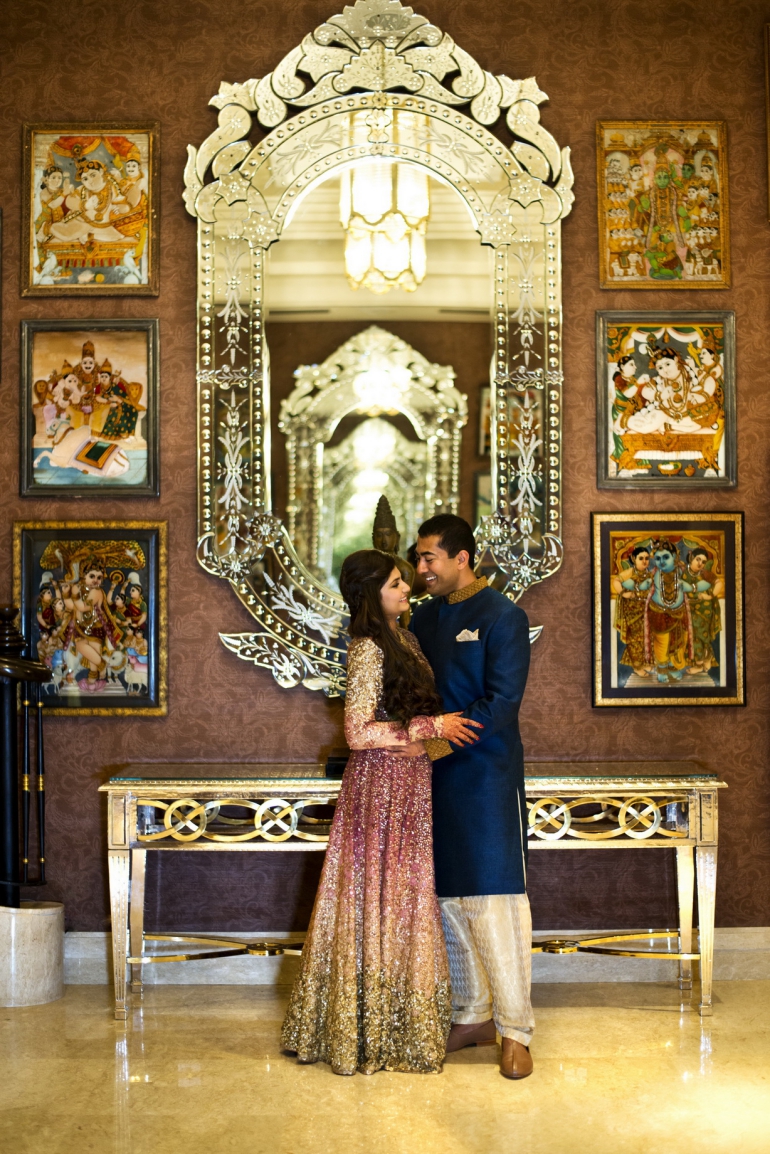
x=334, y=488
x=378, y=197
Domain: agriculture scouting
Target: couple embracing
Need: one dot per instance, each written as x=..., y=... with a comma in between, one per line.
x=393, y=977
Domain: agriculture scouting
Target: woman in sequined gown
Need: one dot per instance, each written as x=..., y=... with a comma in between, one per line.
x=373, y=987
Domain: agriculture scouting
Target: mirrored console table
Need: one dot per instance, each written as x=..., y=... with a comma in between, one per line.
x=205, y=807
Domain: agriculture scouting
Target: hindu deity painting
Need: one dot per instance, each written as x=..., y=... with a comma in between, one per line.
x=669, y=609
x=93, y=610
x=90, y=411
x=666, y=400
x=663, y=204
x=91, y=214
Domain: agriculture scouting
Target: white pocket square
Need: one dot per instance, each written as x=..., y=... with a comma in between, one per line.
x=466, y=635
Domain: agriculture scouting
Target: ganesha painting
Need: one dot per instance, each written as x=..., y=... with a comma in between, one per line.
x=666, y=400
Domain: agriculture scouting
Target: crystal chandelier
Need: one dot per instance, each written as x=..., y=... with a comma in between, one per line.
x=384, y=209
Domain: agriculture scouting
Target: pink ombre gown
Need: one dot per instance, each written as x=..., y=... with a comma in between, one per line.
x=373, y=987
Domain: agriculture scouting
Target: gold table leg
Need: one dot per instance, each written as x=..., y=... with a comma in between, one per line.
x=136, y=913
x=118, y=868
x=706, y=867
x=685, y=881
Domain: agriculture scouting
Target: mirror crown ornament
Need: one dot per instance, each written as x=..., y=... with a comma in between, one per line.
x=374, y=63
x=381, y=46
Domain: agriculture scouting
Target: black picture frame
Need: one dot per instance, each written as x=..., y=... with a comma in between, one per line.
x=685, y=472
x=105, y=450
x=675, y=644
x=106, y=660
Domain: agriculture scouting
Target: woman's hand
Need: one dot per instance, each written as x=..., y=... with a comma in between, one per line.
x=455, y=728
x=413, y=749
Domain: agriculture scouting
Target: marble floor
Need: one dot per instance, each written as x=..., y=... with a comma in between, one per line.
x=198, y=1070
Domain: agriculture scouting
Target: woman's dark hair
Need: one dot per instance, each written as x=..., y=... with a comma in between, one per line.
x=408, y=688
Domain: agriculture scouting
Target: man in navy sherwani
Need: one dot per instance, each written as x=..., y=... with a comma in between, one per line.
x=477, y=642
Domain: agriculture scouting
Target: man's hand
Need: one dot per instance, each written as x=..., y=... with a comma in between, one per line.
x=455, y=729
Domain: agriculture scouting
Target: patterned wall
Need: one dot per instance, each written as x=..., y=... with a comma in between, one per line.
x=613, y=59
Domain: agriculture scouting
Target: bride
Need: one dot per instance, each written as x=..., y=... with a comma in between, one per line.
x=373, y=987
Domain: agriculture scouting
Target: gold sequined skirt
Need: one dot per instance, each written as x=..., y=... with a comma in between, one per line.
x=373, y=988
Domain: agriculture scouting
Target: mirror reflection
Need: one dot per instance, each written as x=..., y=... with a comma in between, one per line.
x=378, y=326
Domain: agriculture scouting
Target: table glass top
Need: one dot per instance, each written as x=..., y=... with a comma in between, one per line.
x=312, y=772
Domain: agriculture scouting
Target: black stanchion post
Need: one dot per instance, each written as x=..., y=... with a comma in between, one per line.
x=9, y=796
x=40, y=783
x=26, y=689
x=13, y=669
x=12, y=645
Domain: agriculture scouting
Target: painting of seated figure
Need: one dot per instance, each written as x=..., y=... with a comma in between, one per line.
x=90, y=210
x=90, y=407
x=666, y=400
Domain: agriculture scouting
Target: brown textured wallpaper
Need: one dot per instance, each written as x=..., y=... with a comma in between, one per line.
x=596, y=59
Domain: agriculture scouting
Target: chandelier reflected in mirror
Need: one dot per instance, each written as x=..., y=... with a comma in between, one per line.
x=384, y=209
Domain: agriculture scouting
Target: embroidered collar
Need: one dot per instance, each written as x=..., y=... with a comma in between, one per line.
x=466, y=591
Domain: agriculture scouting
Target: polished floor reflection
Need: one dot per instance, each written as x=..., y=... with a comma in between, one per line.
x=618, y=1068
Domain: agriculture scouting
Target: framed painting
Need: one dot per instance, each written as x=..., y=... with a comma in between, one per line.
x=668, y=609
x=90, y=209
x=482, y=496
x=93, y=608
x=89, y=394
x=665, y=384
x=663, y=204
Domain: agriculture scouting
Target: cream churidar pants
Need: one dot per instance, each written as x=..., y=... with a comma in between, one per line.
x=489, y=943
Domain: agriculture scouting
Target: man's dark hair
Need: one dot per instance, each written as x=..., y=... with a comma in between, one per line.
x=453, y=534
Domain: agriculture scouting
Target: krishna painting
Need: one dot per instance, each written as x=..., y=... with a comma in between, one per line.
x=668, y=609
x=663, y=204
x=90, y=224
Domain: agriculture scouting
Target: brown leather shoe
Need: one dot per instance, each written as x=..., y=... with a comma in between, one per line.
x=473, y=1034
x=516, y=1060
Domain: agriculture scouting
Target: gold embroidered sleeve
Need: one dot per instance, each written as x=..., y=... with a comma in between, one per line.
x=423, y=728
x=362, y=730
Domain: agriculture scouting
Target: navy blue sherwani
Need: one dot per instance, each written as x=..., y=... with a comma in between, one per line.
x=479, y=811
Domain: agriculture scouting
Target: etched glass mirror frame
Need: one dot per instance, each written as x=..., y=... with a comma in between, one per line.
x=325, y=394
x=375, y=62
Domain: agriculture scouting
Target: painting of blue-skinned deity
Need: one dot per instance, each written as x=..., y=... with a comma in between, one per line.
x=93, y=609
x=668, y=609
x=665, y=400
x=90, y=408
x=663, y=204
x=90, y=204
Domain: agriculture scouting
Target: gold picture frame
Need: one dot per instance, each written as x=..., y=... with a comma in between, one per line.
x=668, y=609
x=663, y=204
x=108, y=653
x=90, y=209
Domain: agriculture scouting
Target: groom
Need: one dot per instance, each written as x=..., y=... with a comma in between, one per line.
x=477, y=642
